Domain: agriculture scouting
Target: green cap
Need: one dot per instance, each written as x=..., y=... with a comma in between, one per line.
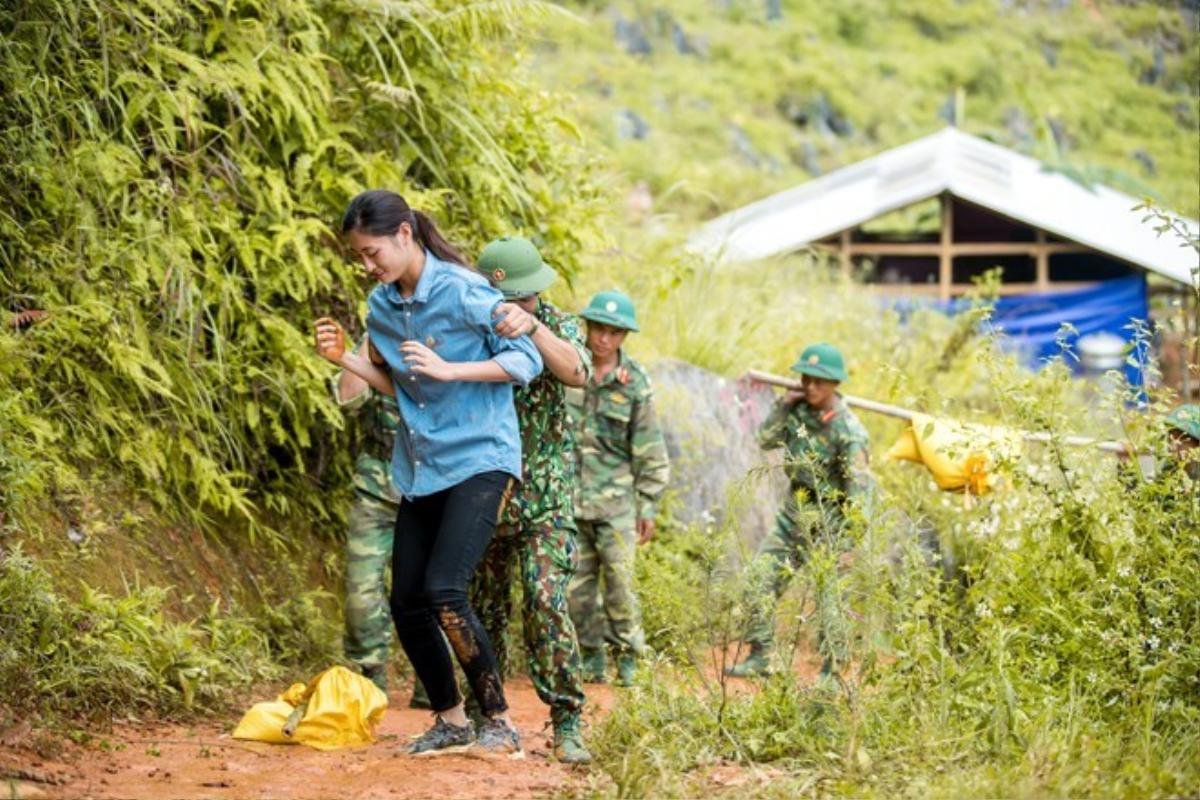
x=1186, y=419
x=515, y=267
x=822, y=360
x=612, y=308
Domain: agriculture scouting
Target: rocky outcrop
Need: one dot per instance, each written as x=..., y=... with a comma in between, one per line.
x=718, y=472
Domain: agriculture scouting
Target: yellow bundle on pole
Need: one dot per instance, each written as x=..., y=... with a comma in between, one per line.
x=961, y=456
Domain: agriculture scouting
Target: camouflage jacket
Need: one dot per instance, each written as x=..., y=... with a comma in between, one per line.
x=623, y=464
x=379, y=418
x=829, y=454
x=547, y=441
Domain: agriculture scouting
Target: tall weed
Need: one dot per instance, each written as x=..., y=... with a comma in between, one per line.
x=1041, y=640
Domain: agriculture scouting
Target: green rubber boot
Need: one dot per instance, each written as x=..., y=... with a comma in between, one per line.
x=626, y=667
x=568, y=742
x=757, y=663
x=594, y=665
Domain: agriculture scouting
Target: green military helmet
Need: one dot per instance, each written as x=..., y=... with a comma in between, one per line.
x=1186, y=419
x=612, y=308
x=515, y=266
x=822, y=360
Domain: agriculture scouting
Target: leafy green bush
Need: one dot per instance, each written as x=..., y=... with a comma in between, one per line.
x=172, y=178
x=100, y=655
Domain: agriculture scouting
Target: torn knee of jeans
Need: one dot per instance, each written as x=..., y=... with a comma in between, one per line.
x=458, y=633
x=492, y=699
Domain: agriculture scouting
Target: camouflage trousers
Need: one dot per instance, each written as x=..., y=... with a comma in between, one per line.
x=544, y=555
x=368, y=633
x=803, y=534
x=607, y=549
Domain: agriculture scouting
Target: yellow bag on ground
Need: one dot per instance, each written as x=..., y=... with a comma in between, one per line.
x=343, y=710
x=960, y=456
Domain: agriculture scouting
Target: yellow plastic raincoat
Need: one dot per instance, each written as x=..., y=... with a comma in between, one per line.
x=343, y=710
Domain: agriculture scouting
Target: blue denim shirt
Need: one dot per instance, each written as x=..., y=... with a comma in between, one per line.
x=450, y=430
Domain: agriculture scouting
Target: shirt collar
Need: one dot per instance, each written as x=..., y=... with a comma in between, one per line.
x=825, y=418
x=429, y=276
x=615, y=372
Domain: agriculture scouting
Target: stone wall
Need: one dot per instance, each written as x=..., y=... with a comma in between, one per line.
x=718, y=471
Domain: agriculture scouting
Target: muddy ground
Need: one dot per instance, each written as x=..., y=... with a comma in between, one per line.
x=196, y=761
x=202, y=761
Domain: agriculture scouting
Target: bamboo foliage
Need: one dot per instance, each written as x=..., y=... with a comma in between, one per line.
x=172, y=176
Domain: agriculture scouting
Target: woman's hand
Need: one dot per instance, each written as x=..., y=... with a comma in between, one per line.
x=330, y=339
x=515, y=321
x=423, y=361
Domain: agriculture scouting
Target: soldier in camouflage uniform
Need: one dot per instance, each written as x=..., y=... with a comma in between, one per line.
x=826, y=458
x=536, y=534
x=372, y=520
x=623, y=470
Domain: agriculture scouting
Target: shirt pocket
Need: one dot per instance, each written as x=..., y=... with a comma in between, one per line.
x=613, y=424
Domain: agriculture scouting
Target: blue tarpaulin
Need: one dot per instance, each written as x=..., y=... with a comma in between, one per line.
x=1032, y=323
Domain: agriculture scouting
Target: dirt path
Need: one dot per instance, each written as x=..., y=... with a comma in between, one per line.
x=201, y=761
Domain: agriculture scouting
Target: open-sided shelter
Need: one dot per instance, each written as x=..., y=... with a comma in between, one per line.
x=1070, y=252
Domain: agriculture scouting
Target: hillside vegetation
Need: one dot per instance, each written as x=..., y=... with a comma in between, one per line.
x=715, y=103
x=173, y=471
x=172, y=178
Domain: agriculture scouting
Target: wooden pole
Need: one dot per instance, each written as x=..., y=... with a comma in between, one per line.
x=945, y=256
x=1042, y=256
x=903, y=413
x=845, y=254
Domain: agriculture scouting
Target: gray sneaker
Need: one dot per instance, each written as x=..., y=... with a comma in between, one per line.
x=496, y=738
x=443, y=738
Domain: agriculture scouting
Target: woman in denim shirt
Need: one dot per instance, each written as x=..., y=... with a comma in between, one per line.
x=457, y=452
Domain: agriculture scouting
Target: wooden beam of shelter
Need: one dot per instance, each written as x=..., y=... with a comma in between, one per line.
x=1033, y=249
x=945, y=256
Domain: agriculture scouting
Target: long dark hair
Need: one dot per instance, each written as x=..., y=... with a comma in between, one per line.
x=379, y=212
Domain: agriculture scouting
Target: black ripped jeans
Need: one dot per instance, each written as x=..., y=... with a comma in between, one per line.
x=438, y=542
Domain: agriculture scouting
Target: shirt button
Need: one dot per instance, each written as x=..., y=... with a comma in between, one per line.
x=420, y=405
x=416, y=463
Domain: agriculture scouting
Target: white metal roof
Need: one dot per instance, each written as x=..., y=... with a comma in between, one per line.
x=967, y=167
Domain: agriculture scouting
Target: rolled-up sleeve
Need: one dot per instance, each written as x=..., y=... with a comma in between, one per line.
x=518, y=357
